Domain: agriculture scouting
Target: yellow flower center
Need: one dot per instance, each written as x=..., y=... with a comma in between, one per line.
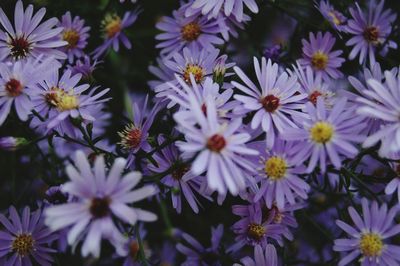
x=68, y=102
x=197, y=72
x=335, y=18
x=23, y=244
x=111, y=25
x=371, y=245
x=321, y=132
x=191, y=31
x=275, y=167
x=131, y=137
x=61, y=100
x=72, y=37
x=319, y=60
x=256, y=231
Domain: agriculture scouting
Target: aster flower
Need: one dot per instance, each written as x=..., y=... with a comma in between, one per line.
x=112, y=27
x=181, y=180
x=370, y=31
x=276, y=101
x=100, y=198
x=12, y=143
x=197, y=254
x=29, y=38
x=317, y=53
x=219, y=147
x=382, y=104
x=84, y=66
x=25, y=237
x=59, y=98
x=368, y=238
x=327, y=135
x=262, y=257
x=278, y=176
x=16, y=82
x=252, y=229
x=333, y=16
x=195, y=31
x=212, y=8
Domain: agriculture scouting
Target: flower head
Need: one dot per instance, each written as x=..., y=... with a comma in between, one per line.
x=333, y=16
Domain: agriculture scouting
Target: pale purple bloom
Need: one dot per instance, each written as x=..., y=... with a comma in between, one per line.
x=112, y=27
x=11, y=143
x=29, y=38
x=276, y=101
x=212, y=8
x=75, y=33
x=367, y=239
x=318, y=54
x=195, y=31
x=328, y=136
x=383, y=104
x=278, y=175
x=197, y=254
x=333, y=16
x=218, y=146
x=100, y=197
x=25, y=237
x=16, y=85
x=267, y=257
x=371, y=30
x=84, y=66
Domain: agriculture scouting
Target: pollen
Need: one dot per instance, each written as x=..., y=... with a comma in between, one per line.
x=314, y=97
x=67, y=102
x=371, y=245
x=197, y=72
x=335, y=18
x=321, y=132
x=371, y=35
x=319, y=60
x=256, y=231
x=111, y=25
x=131, y=137
x=13, y=87
x=216, y=143
x=191, y=31
x=72, y=37
x=20, y=47
x=275, y=167
x=270, y=103
x=23, y=244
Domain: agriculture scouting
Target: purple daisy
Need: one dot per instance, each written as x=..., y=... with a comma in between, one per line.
x=368, y=238
x=278, y=175
x=382, y=104
x=16, y=83
x=327, y=135
x=84, y=66
x=75, y=33
x=100, y=198
x=213, y=8
x=276, y=101
x=112, y=27
x=29, y=38
x=333, y=16
x=218, y=146
x=266, y=257
x=371, y=31
x=318, y=54
x=197, y=254
x=26, y=238
x=195, y=31
x=181, y=180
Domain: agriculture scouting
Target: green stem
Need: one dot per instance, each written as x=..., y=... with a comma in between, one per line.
x=142, y=256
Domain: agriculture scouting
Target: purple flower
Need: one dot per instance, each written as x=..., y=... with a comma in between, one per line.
x=100, y=198
x=84, y=67
x=275, y=101
x=16, y=85
x=278, y=175
x=181, y=180
x=197, y=254
x=112, y=27
x=75, y=34
x=261, y=257
x=327, y=135
x=212, y=8
x=382, y=104
x=368, y=237
x=195, y=31
x=317, y=53
x=371, y=31
x=394, y=184
x=29, y=38
x=219, y=147
x=26, y=238
x=334, y=17
x=12, y=143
